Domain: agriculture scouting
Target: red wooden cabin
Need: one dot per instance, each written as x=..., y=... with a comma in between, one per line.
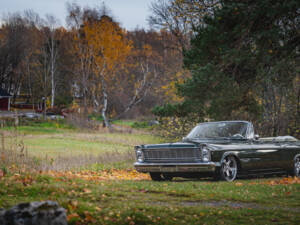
x=4, y=100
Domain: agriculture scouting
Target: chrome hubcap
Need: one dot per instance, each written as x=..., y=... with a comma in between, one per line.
x=297, y=167
x=229, y=168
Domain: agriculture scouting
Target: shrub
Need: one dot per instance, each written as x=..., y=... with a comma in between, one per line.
x=175, y=127
x=142, y=124
x=95, y=116
x=79, y=121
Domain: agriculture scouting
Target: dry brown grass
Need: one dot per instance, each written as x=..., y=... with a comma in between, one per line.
x=15, y=155
x=46, y=146
x=79, y=162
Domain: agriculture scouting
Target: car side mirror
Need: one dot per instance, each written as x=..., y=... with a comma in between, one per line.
x=256, y=137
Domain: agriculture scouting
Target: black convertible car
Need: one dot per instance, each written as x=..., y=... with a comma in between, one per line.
x=224, y=150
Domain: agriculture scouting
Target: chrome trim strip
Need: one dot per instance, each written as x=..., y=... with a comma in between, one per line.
x=170, y=148
x=183, y=158
x=177, y=164
x=176, y=167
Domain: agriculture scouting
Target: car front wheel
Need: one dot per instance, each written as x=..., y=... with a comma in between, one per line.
x=229, y=168
x=156, y=176
x=160, y=177
x=297, y=166
x=167, y=176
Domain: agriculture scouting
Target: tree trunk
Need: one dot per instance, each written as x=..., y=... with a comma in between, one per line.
x=53, y=62
x=106, y=122
x=52, y=86
x=85, y=112
x=105, y=102
x=84, y=84
x=104, y=92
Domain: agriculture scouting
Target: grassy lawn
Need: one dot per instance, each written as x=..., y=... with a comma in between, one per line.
x=110, y=201
x=52, y=139
x=41, y=127
x=84, y=143
x=108, y=191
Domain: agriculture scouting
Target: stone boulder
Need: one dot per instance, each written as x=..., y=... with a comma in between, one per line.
x=34, y=213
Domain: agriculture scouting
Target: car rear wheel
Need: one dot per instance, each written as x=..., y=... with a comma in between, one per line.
x=229, y=168
x=297, y=166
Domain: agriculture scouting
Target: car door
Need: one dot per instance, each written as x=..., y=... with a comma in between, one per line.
x=267, y=155
x=249, y=156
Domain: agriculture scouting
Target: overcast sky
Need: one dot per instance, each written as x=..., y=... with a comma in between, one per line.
x=130, y=13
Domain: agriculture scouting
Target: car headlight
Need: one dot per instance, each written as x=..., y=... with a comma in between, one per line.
x=205, y=154
x=139, y=155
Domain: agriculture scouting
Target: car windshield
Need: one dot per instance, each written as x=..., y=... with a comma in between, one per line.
x=232, y=130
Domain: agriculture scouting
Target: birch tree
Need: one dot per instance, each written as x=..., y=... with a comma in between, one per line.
x=53, y=51
x=110, y=49
x=82, y=52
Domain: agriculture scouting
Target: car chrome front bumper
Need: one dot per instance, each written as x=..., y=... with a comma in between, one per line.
x=175, y=167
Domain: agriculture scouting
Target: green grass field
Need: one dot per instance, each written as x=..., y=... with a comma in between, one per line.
x=147, y=202
x=84, y=143
x=110, y=192
x=53, y=139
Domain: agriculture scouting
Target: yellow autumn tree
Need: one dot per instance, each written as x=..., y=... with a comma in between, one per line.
x=110, y=49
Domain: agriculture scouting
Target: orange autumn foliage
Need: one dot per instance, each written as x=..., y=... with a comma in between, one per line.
x=112, y=174
x=109, y=46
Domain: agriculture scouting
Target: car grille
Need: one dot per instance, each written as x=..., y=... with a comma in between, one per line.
x=172, y=155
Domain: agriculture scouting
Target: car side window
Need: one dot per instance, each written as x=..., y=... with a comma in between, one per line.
x=250, y=133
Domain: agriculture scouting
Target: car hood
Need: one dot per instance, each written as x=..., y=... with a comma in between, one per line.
x=212, y=144
x=223, y=144
x=171, y=145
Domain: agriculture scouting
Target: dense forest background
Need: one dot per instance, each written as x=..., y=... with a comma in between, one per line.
x=202, y=60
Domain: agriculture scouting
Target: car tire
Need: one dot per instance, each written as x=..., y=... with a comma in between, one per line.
x=217, y=175
x=167, y=177
x=156, y=176
x=297, y=166
x=229, y=168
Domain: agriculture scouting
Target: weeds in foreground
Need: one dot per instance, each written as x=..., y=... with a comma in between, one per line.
x=125, y=197
x=15, y=155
